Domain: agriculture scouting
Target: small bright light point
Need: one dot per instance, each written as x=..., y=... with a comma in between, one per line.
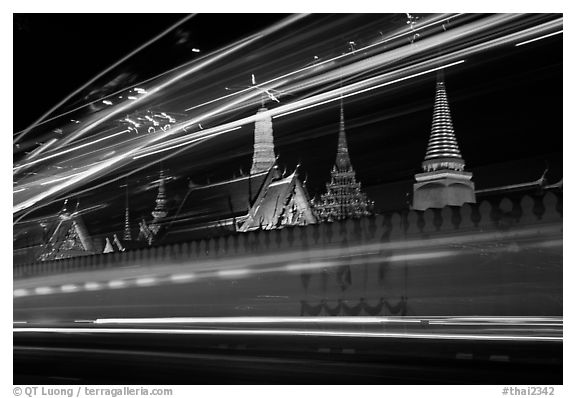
x=20, y=293
x=195, y=50
x=145, y=281
x=116, y=284
x=68, y=288
x=43, y=290
x=106, y=102
x=181, y=278
x=234, y=273
x=92, y=286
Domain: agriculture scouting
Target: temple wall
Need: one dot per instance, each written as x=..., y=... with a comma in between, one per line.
x=502, y=258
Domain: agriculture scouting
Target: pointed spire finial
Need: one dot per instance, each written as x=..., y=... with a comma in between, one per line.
x=342, y=157
x=127, y=232
x=443, y=151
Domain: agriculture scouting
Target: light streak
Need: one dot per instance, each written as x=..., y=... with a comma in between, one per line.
x=42, y=148
x=116, y=284
x=145, y=281
x=291, y=332
x=539, y=38
x=390, y=56
x=99, y=75
x=233, y=273
x=60, y=179
x=19, y=190
x=369, y=89
x=43, y=290
x=92, y=286
x=327, y=61
x=182, y=278
x=195, y=68
x=256, y=319
x=20, y=293
x=212, y=135
x=69, y=288
x=75, y=148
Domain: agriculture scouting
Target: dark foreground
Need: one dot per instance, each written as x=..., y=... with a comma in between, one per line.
x=168, y=354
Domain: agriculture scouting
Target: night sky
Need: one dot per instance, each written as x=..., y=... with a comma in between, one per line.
x=506, y=104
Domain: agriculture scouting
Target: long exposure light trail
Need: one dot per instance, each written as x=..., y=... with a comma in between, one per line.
x=328, y=61
x=192, y=69
x=370, y=88
x=212, y=135
x=114, y=161
x=104, y=72
x=539, y=38
x=378, y=320
x=74, y=148
x=291, y=332
x=393, y=70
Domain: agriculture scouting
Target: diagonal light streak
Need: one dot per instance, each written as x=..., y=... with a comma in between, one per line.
x=186, y=143
x=59, y=153
x=99, y=75
x=380, y=42
x=539, y=38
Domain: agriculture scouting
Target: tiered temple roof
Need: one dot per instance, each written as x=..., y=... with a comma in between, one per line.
x=344, y=197
x=68, y=237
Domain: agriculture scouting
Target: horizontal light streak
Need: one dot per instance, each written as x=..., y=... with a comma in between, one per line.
x=291, y=332
x=146, y=281
x=18, y=190
x=539, y=38
x=259, y=320
x=20, y=293
x=92, y=286
x=181, y=278
x=43, y=290
x=234, y=273
x=69, y=288
x=116, y=284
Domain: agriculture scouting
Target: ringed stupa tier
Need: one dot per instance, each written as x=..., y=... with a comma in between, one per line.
x=264, y=157
x=444, y=181
x=344, y=197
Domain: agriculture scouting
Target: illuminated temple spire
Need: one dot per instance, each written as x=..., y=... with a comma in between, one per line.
x=443, y=151
x=127, y=233
x=264, y=156
x=160, y=212
x=150, y=232
x=342, y=157
x=444, y=181
x=344, y=197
